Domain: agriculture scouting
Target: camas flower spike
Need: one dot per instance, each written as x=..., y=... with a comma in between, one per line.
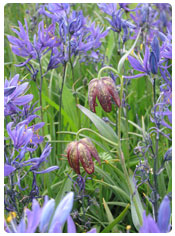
x=82, y=151
x=103, y=89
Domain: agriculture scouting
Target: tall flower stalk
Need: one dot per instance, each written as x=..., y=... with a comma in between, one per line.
x=121, y=155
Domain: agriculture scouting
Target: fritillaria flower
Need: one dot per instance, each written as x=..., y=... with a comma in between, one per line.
x=82, y=151
x=103, y=89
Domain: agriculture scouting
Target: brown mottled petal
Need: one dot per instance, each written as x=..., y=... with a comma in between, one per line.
x=92, y=93
x=85, y=158
x=112, y=89
x=88, y=143
x=115, y=96
x=74, y=158
x=104, y=96
x=68, y=149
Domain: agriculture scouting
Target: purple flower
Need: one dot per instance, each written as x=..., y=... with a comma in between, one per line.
x=162, y=225
x=37, y=161
x=139, y=66
x=22, y=46
x=76, y=22
x=38, y=219
x=55, y=10
x=118, y=24
x=45, y=38
x=20, y=136
x=57, y=57
x=42, y=42
x=108, y=8
x=14, y=97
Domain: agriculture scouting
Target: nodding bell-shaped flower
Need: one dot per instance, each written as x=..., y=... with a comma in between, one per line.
x=103, y=89
x=82, y=151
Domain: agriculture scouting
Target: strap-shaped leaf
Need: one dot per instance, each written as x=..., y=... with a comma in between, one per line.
x=103, y=128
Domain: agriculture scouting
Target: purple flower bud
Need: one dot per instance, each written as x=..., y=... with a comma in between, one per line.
x=46, y=215
x=153, y=63
x=156, y=48
x=164, y=215
x=62, y=212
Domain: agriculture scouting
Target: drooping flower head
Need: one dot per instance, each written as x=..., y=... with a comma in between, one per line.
x=104, y=89
x=81, y=151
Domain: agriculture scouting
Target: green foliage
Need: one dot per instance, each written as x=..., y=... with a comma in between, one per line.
x=113, y=208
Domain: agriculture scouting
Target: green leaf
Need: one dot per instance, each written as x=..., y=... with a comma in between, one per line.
x=122, y=60
x=66, y=117
x=103, y=128
x=117, y=220
x=108, y=212
x=116, y=189
x=133, y=209
x=69, y=105
x=64, y=188
x=110, y=46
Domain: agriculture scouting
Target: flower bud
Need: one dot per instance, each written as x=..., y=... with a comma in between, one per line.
x=153, y=63
x=82, y=151
x=103, y=89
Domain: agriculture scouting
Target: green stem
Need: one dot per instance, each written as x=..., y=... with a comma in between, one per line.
x=40, y=94
x=154, y=90
x=155, y=191
x=60, y=101
x=73, y=78
x=122, y=159
x=106, y=68
x=92, y=131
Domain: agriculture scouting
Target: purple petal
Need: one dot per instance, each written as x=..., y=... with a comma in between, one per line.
x=10, y=133
x=33, y=217
x=52, y=168
x=46, y=214
x=8, y=169
x=23, y=100
x=19, y=90
x=146, y=58
x=164, y=215
x=93, y=230
x=24, y=63
x=136, y=64
x=62, y=212
x=14, y=80
x=8, y=91
x=134, y=76
x=70, y=225
x=149, y=225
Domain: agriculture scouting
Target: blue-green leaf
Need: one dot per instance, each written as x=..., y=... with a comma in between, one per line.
x=103, y=128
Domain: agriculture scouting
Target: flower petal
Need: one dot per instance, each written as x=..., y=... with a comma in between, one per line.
x=164, y=215
x=88, y=143
x=70, y=225
x=92, y=94
x=85, y=158
x=104, y=96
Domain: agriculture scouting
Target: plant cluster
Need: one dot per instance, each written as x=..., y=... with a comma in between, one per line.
x=101, y=68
